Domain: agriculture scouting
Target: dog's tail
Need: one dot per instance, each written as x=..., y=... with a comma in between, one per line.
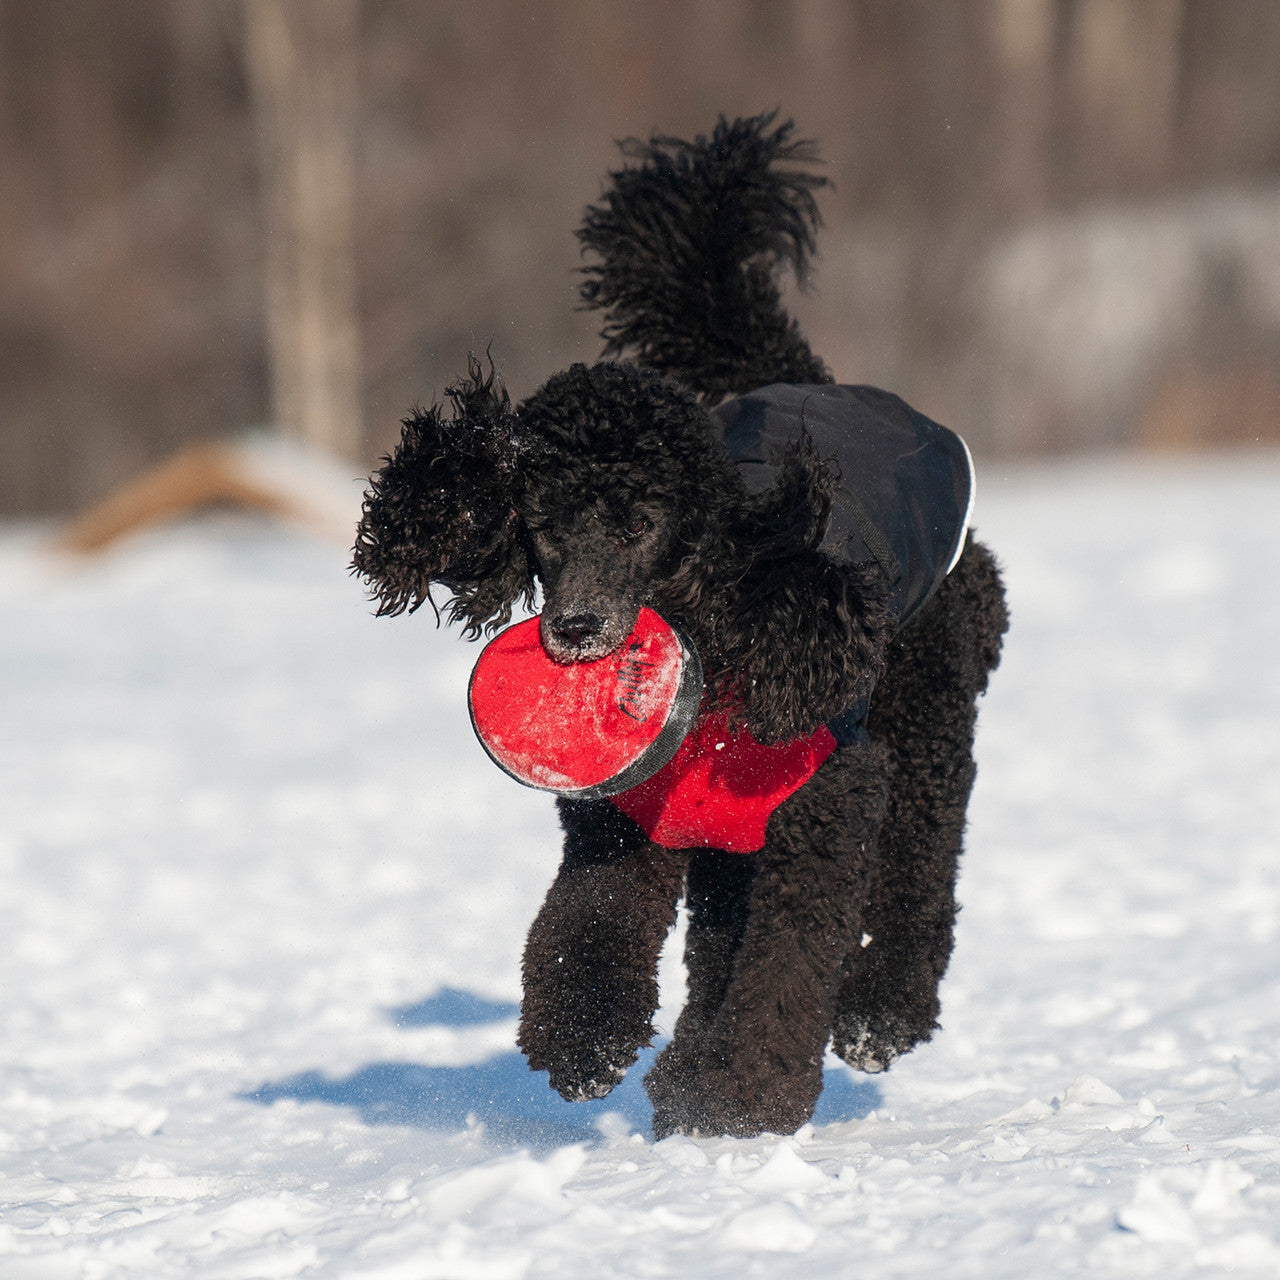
x=691, y=241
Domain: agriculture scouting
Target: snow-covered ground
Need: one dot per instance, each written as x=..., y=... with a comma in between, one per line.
x=264, y=899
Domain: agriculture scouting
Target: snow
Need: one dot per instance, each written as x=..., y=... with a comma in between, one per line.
x=265, y=898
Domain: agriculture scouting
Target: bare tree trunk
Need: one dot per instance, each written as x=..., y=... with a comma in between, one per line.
x=301, y=61
x=1023, y=40
x=1125, y=73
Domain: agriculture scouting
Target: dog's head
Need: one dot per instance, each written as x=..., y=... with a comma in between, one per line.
x=601, y=485
x=634, y=487
x=610, y=487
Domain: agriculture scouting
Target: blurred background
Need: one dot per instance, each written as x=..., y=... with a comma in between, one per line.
x=1054, y=224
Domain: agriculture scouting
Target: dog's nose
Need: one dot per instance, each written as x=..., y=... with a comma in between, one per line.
x=575, y=629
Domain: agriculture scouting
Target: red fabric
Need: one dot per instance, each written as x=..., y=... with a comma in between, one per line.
x=720, y=788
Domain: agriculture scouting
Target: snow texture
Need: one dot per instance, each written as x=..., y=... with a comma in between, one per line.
x=265, y=898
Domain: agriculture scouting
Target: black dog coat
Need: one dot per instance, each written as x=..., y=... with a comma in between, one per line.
x=905, y=483
x=903, y=499
x=905, y=489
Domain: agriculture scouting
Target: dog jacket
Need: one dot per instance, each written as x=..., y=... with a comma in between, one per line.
x=905, y=487
x=903, y=499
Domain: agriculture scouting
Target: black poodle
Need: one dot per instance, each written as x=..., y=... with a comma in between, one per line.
x=612, y=487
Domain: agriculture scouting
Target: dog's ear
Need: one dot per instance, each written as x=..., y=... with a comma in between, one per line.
x=441, y=510
x=807, y=635
x=791, y=515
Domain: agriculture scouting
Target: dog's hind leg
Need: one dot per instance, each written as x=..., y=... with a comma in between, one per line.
x=590, y=962
x=757, y=1064
x=924, y=710
x=717, y=899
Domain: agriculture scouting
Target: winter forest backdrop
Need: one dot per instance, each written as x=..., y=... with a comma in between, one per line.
x=1055, y=224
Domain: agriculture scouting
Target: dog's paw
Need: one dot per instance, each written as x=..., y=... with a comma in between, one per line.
x=581, y=1073
x=874, y=1045
x=585, y=1059
x=574, y=1087
x=698, y=1091
x=863, y=1053
x=672, y=1088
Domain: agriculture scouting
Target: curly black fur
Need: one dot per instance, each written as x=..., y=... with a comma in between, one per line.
x=756, y=1062
x=607, y=913
x=609, y=486
x=442, y=510
x=742, y=575
x=690, y=242
x=924, y=711
x=782, y=594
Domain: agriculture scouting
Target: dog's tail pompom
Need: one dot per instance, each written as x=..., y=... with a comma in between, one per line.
x=690, y=241
x=440, y=510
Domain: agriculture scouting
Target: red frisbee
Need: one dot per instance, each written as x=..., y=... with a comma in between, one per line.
x=585, y=729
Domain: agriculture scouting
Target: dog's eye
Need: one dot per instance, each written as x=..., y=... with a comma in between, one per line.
x=635, y=529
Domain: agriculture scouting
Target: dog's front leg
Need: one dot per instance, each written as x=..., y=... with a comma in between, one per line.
x=590, y=962
x=758, y=1065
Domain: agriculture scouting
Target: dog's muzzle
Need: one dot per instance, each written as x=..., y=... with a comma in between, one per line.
x=580, y=634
